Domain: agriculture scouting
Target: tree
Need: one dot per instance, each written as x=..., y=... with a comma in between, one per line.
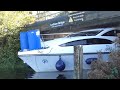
x=11, y=20
x=10, y=23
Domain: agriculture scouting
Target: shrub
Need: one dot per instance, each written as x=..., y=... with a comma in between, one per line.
x=107, y=70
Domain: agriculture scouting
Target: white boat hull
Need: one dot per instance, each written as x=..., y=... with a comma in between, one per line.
x=47, y=62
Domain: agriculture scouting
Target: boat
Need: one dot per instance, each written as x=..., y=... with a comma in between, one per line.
x=58, y=54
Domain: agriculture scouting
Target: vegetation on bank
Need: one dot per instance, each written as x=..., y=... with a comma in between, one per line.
x=10, y=23
x=107, y=70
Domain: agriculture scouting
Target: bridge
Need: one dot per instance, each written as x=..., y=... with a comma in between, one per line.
x=77, y=21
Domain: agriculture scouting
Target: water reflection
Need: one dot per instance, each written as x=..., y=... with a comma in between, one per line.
x=53, y=75
x=15, y=74
x=61, y=76
x=34, y=75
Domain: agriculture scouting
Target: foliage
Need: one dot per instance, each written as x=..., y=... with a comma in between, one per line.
x=11, y=20
x=107, y=70
x=9, y=39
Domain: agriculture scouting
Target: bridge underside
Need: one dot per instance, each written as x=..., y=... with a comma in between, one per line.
x=88, y=20
x=78, y=26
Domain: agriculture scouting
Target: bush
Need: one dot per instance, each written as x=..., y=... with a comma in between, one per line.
x=12, y=23
x=107, y=70
x=8, y=54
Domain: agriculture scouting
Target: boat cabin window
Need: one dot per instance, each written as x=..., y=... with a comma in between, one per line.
x=112, y=33
x=98, y=41
x=91, y=41
x=75, y=43
x=85, y=33
x=118, y=31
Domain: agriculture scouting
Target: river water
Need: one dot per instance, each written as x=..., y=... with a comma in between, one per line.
x=34, y=75
x=20, y=74
x=52, y=75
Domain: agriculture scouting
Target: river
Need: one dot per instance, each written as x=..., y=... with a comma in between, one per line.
x=21, y=74
x=34, y=75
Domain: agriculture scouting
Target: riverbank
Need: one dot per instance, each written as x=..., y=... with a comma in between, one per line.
x=9, y=60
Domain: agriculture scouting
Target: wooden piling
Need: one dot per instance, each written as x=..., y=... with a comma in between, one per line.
x=78, y=62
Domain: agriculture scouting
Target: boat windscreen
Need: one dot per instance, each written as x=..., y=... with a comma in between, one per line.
x=85, y=33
